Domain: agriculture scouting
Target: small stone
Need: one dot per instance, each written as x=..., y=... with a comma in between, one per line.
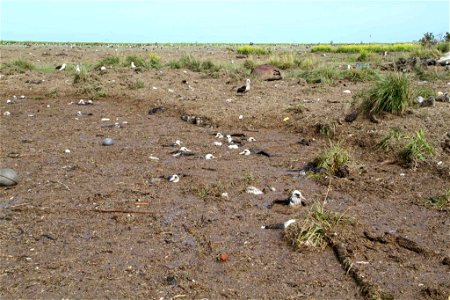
x=253, y=190
x=108, y=142
x=223, y=257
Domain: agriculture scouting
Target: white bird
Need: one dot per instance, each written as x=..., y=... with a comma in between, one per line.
x=219, y=135
x=295, y=199
x=253, y=190
x=233, y=146
x=183, y=151
x=77, y=69
x=280, y=225
x=61, y=67
x=216, y=143
x=133, y=66
x=229, y=139
x=173, y=178
x=209, y=156
x=245, y=152
x=245, y=88
x=251, y=139
x=103, y=69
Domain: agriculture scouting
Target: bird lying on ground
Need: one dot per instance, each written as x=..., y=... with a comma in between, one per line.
x=279, y=225
x=295, y=199
x=245, y=88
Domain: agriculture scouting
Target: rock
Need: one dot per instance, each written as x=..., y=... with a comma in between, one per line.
x=351, y=116
x=108, y=142
x=156, y=110
x=267, y=72
x=8, y=177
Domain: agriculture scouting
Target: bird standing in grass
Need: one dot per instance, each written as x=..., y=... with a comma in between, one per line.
x=245, y=88
x=61, y=67
x=133, y=66
x=77, y=69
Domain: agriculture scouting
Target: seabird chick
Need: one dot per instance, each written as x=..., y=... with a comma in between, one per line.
x=209, y=156
x=245, y=152
x=177, y=143
x=183, y=151
x=295, y=199
x=245, y=88
x=173, y=178
x=279, y=225
x=61, y=67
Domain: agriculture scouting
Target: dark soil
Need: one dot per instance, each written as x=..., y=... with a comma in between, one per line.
x=103, y=221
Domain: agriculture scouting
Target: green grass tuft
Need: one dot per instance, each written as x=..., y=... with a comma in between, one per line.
x=360, y=75
x=107, y=62
x=312, y=231
x=18, y=66
x=191, y=63
x=355, y=48
x=393, y=134
x=134, y=85
x=332, y=158
x=418, y=149
x=391, y=93
x=439, y=202
x=252, y=50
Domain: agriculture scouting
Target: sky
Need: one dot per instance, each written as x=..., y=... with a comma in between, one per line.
x=232, y=21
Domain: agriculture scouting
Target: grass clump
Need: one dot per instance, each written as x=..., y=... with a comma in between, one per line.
x=108, y=61
x=425, y=52
x=418, y=149
x=444, y=47
x=138, y=61
x=205, y=191
x=360, y=75
x=393, y=134
x=333, y=159
x=252, y=50
x=196, y=65
x=154, y=61
x=439, y=202
x=355, y=48
x=324, y=74
x=18, y=66
x=424, y=91
x=391, y=93
x=313, y=230
x=134, y=85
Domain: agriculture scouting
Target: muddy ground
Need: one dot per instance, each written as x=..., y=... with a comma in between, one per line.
x=103, y=221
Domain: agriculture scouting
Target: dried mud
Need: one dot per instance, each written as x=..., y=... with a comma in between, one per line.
x=103, y=222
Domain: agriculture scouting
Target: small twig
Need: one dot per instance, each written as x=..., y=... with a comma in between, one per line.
x=121, y=211
x=328, y=190
x=57, y=181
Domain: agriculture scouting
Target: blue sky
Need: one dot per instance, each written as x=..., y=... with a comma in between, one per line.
x=238, y=21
